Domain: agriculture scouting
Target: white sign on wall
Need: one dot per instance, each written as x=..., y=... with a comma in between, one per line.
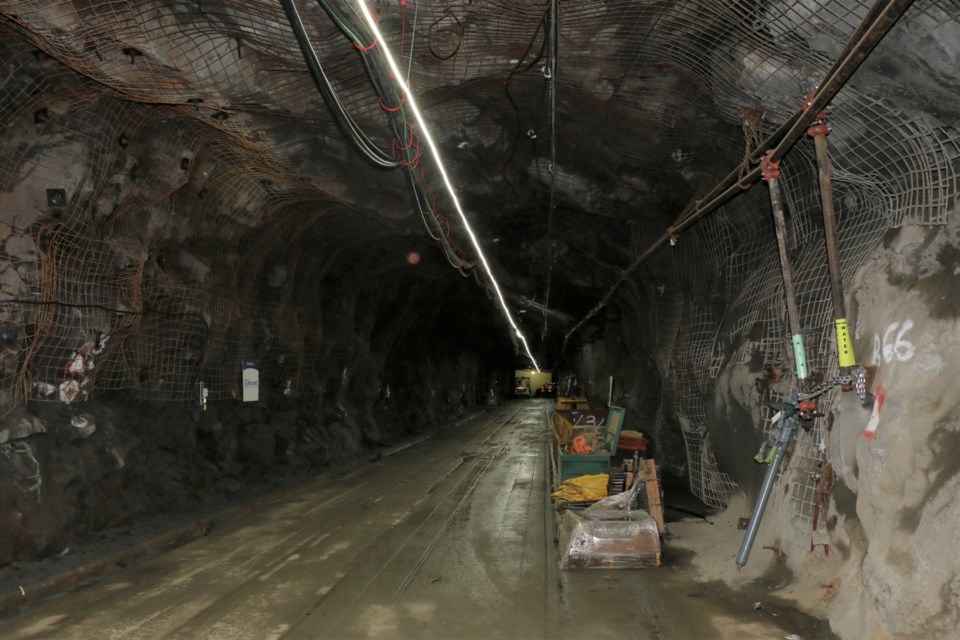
x=251, y=380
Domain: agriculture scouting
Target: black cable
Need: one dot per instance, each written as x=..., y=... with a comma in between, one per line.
x=346, y=122
x=554, y=53
x=520, y=68
x=445, y=56
x=400, y=132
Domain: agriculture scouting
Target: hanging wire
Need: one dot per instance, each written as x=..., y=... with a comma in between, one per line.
x=554, y=54
x=413, y=39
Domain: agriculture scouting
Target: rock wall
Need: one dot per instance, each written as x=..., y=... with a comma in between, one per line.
x=877, y=564
x=71, y=470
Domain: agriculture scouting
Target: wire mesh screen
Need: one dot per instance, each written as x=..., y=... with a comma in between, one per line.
x=169, y=168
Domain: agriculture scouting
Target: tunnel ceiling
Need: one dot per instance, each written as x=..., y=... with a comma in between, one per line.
x=187, y=148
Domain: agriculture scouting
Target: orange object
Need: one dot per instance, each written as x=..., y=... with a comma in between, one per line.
x=580, y=446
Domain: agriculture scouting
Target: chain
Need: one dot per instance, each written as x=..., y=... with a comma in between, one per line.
x=857, y=377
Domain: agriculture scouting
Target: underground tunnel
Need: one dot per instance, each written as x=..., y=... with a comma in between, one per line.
x=294, y=296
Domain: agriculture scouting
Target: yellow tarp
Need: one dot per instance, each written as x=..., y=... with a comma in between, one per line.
x=582, y=488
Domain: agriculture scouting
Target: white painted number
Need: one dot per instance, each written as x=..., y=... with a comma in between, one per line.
x=893, y=347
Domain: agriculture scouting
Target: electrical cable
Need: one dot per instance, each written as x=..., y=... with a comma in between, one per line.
x=520, y=68
x=349, y=126
x=412, y=103
x=449, y=54
x=433, y=223
x=554, y=54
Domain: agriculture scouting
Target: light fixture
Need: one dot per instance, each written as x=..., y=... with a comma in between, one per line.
x=425, y=134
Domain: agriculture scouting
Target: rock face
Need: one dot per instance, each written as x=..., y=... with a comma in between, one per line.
x=905, y=476
x=69, y=474
x=177, y=199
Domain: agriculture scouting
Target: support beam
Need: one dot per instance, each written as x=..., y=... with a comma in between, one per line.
x=771, y=173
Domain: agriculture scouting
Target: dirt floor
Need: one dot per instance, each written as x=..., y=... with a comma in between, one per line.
x=449, y=538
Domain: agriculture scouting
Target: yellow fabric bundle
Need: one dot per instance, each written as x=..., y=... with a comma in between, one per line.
x=582, y=488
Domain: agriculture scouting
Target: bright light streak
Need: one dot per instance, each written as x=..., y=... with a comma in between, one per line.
x=425, y=133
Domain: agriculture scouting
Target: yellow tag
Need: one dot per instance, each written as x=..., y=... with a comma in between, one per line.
x=845, y=355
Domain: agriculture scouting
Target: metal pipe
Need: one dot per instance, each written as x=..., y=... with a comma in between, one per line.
x=875, y=25
x=873, y=34
x=845, y=355
x=787, y=427
x=789, y=291
x=825, y=174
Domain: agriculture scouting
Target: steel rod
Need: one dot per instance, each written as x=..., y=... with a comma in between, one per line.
x=780, y=226
x=789, y=291
x=878, y=21
x=787, y=428
x=825, y=174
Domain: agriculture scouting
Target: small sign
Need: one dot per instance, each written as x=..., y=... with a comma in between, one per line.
x=251, y=380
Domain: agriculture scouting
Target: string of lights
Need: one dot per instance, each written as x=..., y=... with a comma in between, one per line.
x=428, y=138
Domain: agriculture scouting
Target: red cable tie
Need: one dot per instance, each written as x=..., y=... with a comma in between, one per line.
x=368, y=47
x=769, y=168
x=444, y=225
x=410, y=139
x=372, y=44
x=414, y=162
x=403, y=101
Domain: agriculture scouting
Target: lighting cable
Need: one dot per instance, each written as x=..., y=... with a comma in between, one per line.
x=425, y=133
x=407, y=143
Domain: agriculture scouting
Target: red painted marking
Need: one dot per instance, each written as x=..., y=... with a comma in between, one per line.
x=874, y=422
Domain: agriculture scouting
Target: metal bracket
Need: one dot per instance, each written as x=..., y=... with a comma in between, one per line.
x=769, y=168
x=819, y=126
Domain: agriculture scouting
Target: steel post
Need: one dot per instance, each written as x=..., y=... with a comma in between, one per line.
x=845, y=354
x=789, y=291
x=787, y=428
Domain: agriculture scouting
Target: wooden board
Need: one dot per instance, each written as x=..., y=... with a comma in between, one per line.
x=653, y=494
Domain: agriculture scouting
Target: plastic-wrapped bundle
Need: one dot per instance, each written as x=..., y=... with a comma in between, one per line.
x=609, y=539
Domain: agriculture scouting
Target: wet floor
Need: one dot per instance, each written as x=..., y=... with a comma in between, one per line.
x=450, y=538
